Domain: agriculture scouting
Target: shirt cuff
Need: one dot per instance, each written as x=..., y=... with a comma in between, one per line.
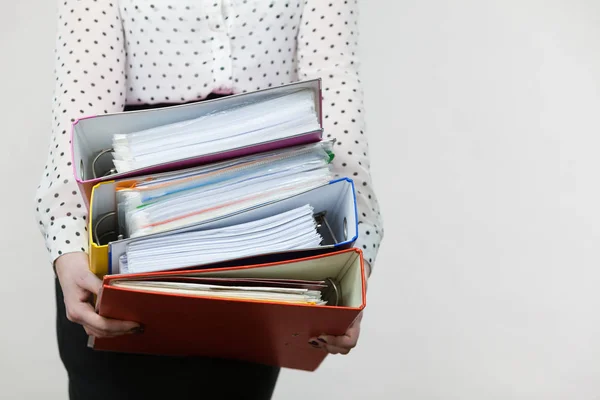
x=66, y=235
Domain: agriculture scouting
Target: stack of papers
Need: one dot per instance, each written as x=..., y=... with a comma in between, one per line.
x=280, y=290
x=178, y=200
x=262, y=121
x=291, y=230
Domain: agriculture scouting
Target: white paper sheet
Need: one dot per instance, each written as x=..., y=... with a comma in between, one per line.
x=169, y=204
x=291, y=230
x=241, y=126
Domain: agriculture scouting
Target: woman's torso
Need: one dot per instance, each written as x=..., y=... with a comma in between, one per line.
x=183, y=50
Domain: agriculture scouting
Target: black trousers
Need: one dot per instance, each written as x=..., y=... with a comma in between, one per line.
x=115, y=376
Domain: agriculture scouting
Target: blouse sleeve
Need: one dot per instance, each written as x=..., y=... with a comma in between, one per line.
x=89, y=80
x=327, y=49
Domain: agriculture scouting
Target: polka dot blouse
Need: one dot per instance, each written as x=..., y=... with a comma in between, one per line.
x=112, y=53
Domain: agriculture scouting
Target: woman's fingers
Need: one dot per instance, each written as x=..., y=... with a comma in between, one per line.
x=96, y=333
x=345, y=342
x=89, y=282
x=84, y=314
x=101, y=334
x=335, y=344
x=331, y=349
x=339, y=344
x=337, y=350
x=78, y=284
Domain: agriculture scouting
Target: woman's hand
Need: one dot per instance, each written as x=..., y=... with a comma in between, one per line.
x=339, y=344
x=78, y=284
x=342, y=344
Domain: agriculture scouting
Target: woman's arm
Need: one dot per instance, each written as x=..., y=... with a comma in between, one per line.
x=89, y=80
x=327, y=49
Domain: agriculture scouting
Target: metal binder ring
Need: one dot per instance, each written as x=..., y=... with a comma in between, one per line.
x=94, y=162
x=81, y=170
x=322, y=222
x=97, y=226
x=345, y=229
x=334, y=295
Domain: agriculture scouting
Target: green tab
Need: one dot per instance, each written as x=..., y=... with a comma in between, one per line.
x=331, y=156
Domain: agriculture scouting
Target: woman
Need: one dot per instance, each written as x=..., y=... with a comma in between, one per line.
x=115, y=55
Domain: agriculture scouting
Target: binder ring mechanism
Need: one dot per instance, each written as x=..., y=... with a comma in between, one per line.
x=324, y=229
x=333, y=293
x=109, y=234
x=99, y=157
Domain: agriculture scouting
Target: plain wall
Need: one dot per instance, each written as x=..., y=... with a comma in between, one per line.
x=483, y=118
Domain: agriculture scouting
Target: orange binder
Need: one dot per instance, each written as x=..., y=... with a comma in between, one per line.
x=266, y=332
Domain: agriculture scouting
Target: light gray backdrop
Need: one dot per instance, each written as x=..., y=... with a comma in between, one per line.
x=484, y=130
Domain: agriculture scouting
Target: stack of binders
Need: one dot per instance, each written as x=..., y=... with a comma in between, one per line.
x=222, y=216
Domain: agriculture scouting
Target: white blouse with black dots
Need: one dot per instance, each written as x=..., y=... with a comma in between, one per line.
x=115, y=52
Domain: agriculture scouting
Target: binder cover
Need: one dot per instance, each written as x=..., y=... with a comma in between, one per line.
x=256, y=331
x=93, y=134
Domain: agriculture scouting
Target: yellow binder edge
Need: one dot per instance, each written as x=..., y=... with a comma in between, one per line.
x=98, y=253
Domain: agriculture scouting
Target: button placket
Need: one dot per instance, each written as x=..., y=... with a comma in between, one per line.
x=220, y=43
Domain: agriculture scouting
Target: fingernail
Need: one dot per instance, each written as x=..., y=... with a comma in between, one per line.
x=314, y=343
x=322, y=340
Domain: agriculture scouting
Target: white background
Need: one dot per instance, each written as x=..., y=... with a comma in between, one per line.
x=483, y=121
